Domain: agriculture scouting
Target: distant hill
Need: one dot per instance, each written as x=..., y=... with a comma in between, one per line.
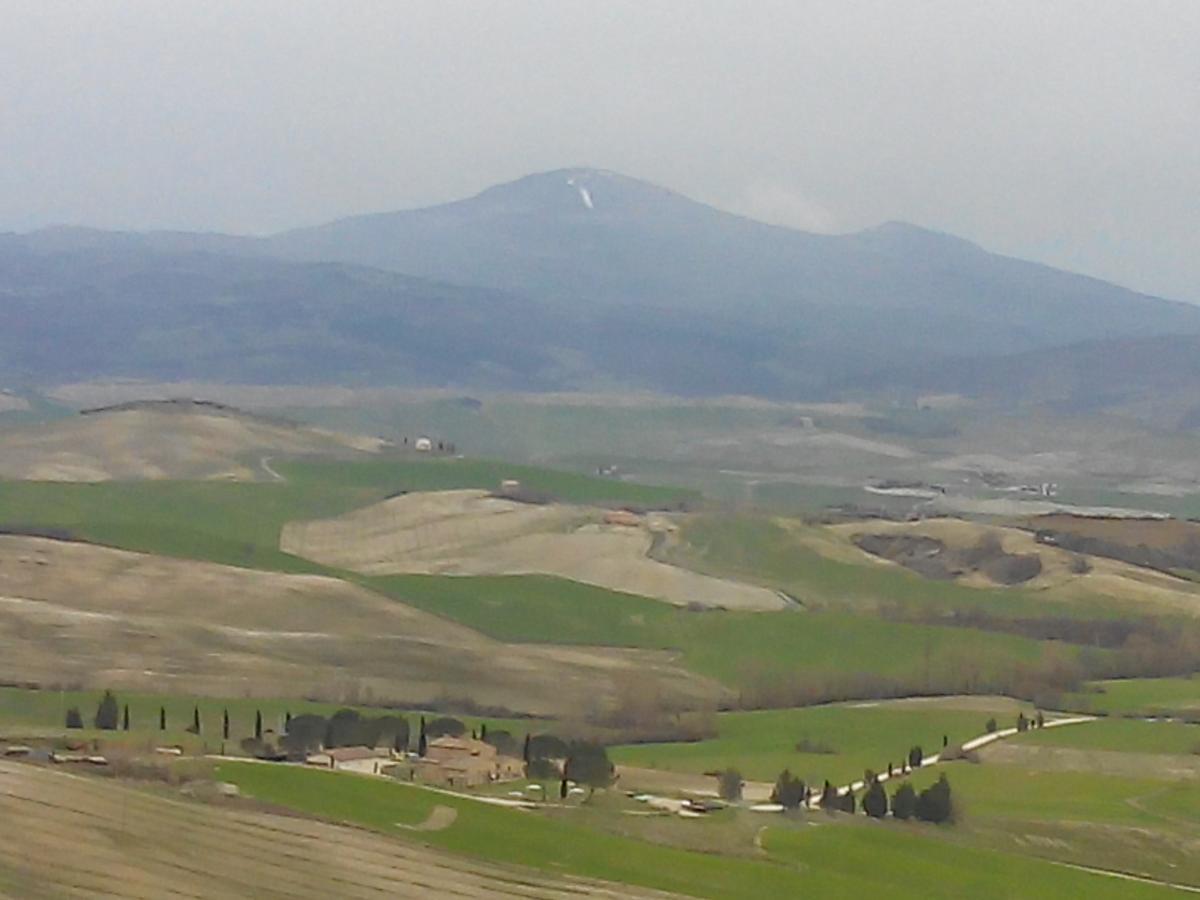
x=574, y=279
x=1155, y=380
x=180, y=439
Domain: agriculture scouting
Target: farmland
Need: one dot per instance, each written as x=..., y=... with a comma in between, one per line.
x=1142, y=696
x=846, y=738
x=826, y=861
x=1123, y=735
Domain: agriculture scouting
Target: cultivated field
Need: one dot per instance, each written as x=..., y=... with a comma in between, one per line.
x=77, y=613
x=166, y=440
x=1144, y=696
x=473, y=533
x=835, y=742
x=84, y=837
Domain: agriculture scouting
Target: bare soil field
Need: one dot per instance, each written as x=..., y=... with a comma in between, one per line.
x=72, y=836
x=1060, y=570
x=473, y=533
x=178, y=440
x=78, y=613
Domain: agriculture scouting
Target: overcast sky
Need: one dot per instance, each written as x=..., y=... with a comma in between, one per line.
x=1057, y=130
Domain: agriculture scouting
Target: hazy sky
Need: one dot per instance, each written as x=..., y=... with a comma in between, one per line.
x=1062, y=131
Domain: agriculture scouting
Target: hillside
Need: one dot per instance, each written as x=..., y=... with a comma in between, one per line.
x=180, y=439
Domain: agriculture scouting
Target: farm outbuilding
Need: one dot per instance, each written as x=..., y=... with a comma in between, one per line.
x=464, y=762
x=423, y=445
x=366, y=760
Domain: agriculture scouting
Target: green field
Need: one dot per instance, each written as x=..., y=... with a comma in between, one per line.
x=758, y=549
x=1123, y=735
x=239, y=524
x=743, y=650
x=44, y=711
x=1142, y=696
x=762, y=744
x=832, y=861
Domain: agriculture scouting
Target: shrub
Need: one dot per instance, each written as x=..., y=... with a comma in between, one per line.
x=74, y=718
x=875, y=801
x=789, y=792
x=991, y=726
x=729, y=785
x=934, y=803
x=806, y=745
x=915, y=755
x=904, y=802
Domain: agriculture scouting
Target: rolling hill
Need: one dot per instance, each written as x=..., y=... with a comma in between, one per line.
x=181, y=439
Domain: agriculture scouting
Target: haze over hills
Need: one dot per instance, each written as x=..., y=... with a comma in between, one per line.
x=573, y=279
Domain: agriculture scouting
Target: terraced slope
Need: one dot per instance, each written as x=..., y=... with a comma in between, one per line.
x=69, y=836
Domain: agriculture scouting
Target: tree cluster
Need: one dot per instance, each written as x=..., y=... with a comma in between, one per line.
x=790, y=792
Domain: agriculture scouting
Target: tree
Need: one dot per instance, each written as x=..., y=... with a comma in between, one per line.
x=729, y=785
x=904, y=802
x=915, y=755
x=258, y=723
x=504, y=742
x=345, y=729
x=107, y=712
x=1022, y=722
x=74, y=718
x=542, y=769
x=524, y=751
x=790, y=791
x=588, y=763
x=483, y=732
x=225, y=725
x=287, y=719
x=991, y=726
x=125, y=718
x=547, y=746
x=846, y=802
x=934, y=803
x=162, y=718
x=562, y=789
x=195, y=729
x=305, y=734
x=829, y=797
x=875, y=801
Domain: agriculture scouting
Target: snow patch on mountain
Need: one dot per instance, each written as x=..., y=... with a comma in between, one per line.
x=584, y=194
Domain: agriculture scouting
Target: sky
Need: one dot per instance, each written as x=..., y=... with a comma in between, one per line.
x=1066, y=131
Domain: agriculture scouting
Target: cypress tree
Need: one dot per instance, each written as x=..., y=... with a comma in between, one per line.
x=562, y=790
x=225, y=724
x=107, y=712
x=125, y=718
x=525, y=752
x=287, y=719
x=195, y=720
x=258, y=724
x=904, y=802
x=74, y=717
x=483, y=732
x=162, y=718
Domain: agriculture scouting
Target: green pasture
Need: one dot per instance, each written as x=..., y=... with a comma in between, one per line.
x=758, y=549
x=239, y=524
x=1121, y=735
x=833, y=861
x=862, y=736
x=1140, y=696
x=741, y=649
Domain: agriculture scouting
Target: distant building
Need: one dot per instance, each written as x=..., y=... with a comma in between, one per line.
x=622, y=517
x=423, y=445
x=510, y=487
x=464, y=762
x=366, y=760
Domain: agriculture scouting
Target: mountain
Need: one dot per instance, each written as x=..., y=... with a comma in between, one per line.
x=588, y=238
x=574, y=279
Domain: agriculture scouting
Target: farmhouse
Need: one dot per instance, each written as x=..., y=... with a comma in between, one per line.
x=366, y=760
x=423, y=445
x=464, y=762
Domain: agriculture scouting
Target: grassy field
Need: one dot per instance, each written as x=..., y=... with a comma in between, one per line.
x=1141, y=696
x=762, y=550
x=762, y=744
x=830, y=861
x=1123, y=735
x=30, y=711
x=743, y=650
x=239, y=524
